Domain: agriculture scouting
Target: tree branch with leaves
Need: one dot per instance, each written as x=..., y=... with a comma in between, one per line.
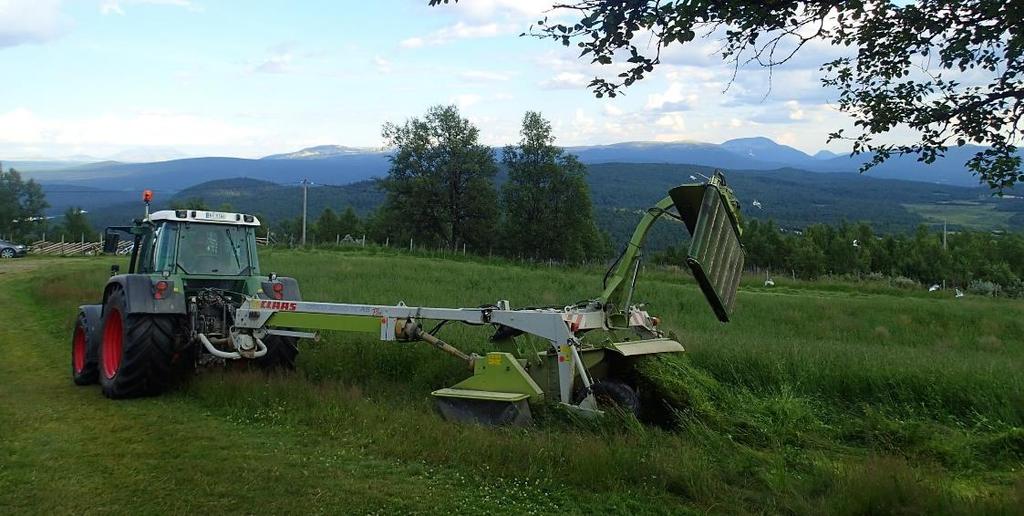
x=949, y=71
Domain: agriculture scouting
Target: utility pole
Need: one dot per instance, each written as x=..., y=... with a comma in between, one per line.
x=305, y=187
x=943, y=234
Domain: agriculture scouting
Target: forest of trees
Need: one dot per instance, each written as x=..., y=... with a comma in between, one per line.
x=983, y=262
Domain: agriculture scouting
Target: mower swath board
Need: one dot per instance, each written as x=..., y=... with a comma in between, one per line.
x=715, y=255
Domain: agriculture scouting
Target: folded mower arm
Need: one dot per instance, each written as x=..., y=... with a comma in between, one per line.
x=715, y=256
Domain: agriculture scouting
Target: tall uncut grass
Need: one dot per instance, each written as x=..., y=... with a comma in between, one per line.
x=816, y=398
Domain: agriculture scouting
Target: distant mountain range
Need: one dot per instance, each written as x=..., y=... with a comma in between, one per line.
x=96, y=185
x=335, y=164
x=324, y=151
x=765, y=154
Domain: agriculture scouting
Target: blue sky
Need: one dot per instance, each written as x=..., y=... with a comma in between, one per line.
x=162, y=78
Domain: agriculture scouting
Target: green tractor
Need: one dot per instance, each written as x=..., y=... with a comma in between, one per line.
x=194, y=295
x=188, y=269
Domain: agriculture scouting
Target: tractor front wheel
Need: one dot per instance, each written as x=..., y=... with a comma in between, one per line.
x=83, y=367
x=137, y=351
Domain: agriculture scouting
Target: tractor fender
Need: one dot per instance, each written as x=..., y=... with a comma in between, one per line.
x=92, y=316
x=290, y=292
x=139, y=294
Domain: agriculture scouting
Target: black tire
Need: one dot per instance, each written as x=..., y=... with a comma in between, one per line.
x=616, y=395
x=281, y=354
x=7, y=252
x=84, y=370
x=138, y=352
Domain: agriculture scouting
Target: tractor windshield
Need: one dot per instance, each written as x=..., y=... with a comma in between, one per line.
x=213, y=249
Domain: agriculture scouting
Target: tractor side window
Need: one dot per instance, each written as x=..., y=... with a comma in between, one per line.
x=166, y=242
x=145, y=264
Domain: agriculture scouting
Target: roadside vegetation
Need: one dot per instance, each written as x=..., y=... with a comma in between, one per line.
x=818, y=398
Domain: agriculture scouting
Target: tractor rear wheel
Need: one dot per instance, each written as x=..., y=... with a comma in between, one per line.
x=281, y=353
x=137, y=351
x=83, y=368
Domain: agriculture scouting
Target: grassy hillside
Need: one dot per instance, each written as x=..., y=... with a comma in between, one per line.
x=819, y=398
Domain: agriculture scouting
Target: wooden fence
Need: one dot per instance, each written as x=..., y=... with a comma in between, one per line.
x=82, y=248
x=74, y=248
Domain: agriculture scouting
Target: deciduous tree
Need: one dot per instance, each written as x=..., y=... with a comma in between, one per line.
x=22, y=205
x=441, y=183
x=76, y=225
x=548, y=211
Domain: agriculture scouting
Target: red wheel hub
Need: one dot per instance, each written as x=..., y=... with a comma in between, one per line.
x=78, y=350
x=113, y=335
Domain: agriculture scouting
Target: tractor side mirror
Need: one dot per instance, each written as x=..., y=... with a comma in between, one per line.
x=110, y=241
x=114, y=269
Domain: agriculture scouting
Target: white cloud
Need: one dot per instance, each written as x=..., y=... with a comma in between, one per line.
x=490, y=9
x=150, y=128
x=460, y=30
x=412, y=43
x=382, y=65
x=792, y=112
x=672, y=121
x=756, y=86
x=702, y=52
x=583, y=125
x=795, y=112
x=466, y=100
x=116, y=6
x=31, y=21
x=612, y=110
x=484, y=76
x=672, y=99
x=111, y=7
x=565, y=81
x=275, y=63
x=465, y=31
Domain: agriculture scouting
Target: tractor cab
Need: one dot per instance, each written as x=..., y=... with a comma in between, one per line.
x=202, y=249
x=199, y=243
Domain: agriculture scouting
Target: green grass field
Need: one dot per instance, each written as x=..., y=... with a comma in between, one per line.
x=965, y=214
x=817, y=399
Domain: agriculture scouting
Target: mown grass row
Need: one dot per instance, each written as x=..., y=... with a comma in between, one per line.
x=816, y=412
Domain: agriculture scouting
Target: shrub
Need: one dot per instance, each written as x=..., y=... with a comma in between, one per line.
x=904, y=283
x=984, y=288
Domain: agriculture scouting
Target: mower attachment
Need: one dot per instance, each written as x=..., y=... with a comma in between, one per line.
x=715, y=255
x=485, y=412
x=498, y=393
